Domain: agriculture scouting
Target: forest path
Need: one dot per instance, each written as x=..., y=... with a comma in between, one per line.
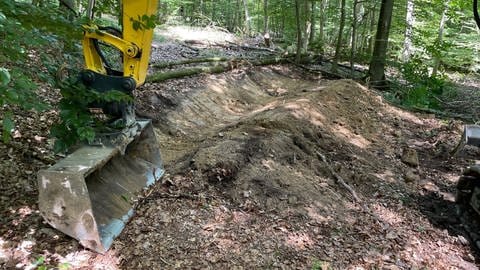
x=247, y=186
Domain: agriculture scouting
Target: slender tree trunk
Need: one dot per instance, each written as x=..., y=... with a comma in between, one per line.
x=354, y=36
x=407, y=44
x=248, y=25
x=436, y=59
x=265, y=17
x=321, y=25
x=377, y=64
x=299, y=31
x=313, y=22
x=338, y=47
x=371, y=40
x=307, y=15
x=266, y=34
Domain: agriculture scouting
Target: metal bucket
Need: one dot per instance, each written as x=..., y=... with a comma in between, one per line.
x=89, y=195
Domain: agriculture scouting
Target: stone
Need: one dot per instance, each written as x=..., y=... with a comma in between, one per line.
x=411, y=176
x=410, y=157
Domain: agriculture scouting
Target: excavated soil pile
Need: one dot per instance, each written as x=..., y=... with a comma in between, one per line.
x=268, y=169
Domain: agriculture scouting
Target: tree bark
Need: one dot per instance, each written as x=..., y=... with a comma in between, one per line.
x=191, y=61
x=353, y=46
x=299, y=31
x=338, y=47
x=219, y=68
x=313, y=21
x=265, y=17
x=307, y=16
x=436, y=58
x=248, y=25
x=321, y=26
x=377, y=64
x=407, y=44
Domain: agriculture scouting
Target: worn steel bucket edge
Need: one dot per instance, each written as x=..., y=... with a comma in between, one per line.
x=89, y=195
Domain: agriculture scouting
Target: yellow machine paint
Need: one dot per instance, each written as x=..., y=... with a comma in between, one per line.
x=90, y=194
x=135, y=44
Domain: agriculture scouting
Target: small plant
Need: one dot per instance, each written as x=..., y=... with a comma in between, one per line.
x=419, y=89
x=77, y=122
x=320, y=265
x=39, y=264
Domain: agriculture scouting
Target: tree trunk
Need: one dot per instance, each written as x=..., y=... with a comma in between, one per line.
x=299, y=31
x=407, y=44
x=338, y=47
x=307, y=15
x=371, y=40
x=218, y=68
x=265, y=17
x=247, y=18
x=69, y=6
x=436, y=59
x=377, y=64
x=321, y=26
x=313, y=22
x=354, y=36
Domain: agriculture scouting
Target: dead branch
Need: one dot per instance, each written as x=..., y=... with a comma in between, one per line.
x=340, y=180
x=217, y=68
x=357, y=199
x=191, y=61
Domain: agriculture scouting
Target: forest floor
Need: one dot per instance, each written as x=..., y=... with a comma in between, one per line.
x=267, y=168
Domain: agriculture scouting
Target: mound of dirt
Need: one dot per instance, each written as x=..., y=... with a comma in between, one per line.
x=246, y=149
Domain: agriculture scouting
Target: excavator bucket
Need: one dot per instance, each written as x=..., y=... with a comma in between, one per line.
x=470, y=136
x=90, y=194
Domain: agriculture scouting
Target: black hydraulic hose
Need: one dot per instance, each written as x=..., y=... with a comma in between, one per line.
x=111, y=30
x=475, y=13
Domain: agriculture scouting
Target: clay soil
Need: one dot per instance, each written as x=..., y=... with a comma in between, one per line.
x=267, y=168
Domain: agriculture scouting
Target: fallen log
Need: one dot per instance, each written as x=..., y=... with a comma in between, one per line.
x=191, y=61
x=217, y=68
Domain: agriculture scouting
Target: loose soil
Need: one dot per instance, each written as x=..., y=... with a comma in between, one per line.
x=267, y=168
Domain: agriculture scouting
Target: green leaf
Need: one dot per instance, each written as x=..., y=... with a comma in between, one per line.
x=4, y=77
x=8, y=126
x=40, y=260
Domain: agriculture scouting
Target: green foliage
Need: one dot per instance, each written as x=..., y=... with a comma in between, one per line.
x=39, y=264
x=77, y=123
x=420, y=89
x=144, y=22
x=28, y=53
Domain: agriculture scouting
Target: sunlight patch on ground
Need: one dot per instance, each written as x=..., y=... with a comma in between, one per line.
x=197, y=33
x=350, y=137
x=404, y=114
x=19, y=254
x=317, y=217
x=299, y=240
x=387, y=215
x=305, y=112
x=387, y=176
x=3, y=251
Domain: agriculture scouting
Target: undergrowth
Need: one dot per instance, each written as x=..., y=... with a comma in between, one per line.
x=31, y=53
x=417, y=88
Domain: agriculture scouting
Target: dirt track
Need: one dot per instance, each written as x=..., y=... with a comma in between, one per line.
x=248, y=188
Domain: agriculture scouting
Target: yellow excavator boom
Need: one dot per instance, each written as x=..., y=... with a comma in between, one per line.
x=134, y=44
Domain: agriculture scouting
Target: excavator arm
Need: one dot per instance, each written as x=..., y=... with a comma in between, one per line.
x=134, y=44
x=89, y=195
